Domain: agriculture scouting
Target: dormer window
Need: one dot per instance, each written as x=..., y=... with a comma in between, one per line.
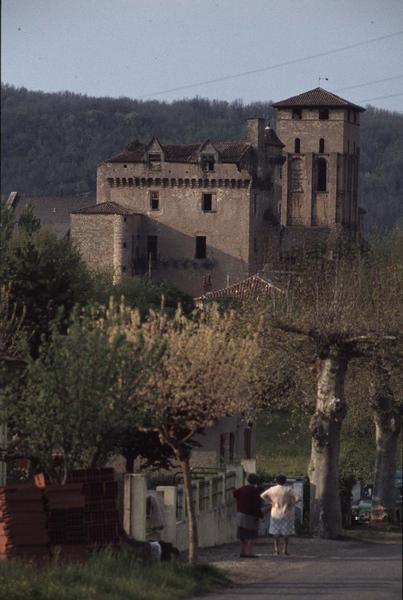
x=207, y=162
x=154, y=161
x=297, y=113
x=323, y=114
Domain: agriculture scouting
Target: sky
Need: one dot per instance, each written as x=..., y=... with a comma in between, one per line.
x=250, y=50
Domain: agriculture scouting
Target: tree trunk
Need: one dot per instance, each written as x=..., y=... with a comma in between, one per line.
x=325, y=426
x=388, y=422
x=190, y=510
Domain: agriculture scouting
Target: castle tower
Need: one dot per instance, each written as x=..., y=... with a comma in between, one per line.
x=321, y=133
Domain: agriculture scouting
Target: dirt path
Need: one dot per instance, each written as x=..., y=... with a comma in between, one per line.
x=325, y=569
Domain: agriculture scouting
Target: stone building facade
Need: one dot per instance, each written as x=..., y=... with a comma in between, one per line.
x=208, y=215
x=197, y=215
x=321, y=133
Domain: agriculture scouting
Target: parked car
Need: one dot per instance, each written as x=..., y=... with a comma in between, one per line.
x=361, y=509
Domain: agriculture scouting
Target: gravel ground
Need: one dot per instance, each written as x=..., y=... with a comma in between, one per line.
x=329, y=569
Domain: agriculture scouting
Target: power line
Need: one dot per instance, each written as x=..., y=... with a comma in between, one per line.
x=350, y=87
x=381, y=97
x=271, y=67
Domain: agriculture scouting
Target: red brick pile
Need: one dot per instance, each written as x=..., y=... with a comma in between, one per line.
x=101, y=517
x=23, y=531
x=70, y=520
x=65, y=508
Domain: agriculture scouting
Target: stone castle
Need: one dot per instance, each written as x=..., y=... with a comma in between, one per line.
x=207, y=215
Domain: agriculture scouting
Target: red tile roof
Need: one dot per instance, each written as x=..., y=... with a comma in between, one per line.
x=104, y=208
x=317, y=97
x=252, y=286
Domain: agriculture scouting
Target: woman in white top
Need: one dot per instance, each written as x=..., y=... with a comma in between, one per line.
x=282, y=500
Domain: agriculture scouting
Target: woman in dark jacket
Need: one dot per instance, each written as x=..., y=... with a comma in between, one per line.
x=248, y=514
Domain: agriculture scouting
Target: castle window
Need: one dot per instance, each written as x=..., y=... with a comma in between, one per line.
x=154, y=200
x=323, y=114
x=322, y=175
x=207, y=162
x=355, y=117
x=201, y=246
x=297, y=113
x=207, y=202
x=321, y=146
x=254, y=203
x=349, y=115
x=154, y=161
x=297, y=146
x=152, y=246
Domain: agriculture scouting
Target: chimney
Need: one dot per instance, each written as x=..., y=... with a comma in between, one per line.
x=255, y=132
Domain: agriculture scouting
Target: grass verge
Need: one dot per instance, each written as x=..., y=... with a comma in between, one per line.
x=107, y=577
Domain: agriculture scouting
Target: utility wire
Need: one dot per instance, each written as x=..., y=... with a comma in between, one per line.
x=381, y=97
x=271, y=67
x=350, y=87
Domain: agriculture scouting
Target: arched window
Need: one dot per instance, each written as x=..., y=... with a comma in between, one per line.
x=297, y=146
x=322, y=175
x=321, y=146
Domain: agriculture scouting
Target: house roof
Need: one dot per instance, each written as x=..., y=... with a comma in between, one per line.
x=318, y=97
x=53, y=211
x=230, y=152
x=104, y=208
x=251, y=286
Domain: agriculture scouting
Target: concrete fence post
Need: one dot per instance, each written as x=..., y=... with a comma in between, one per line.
x=135, y=495
x=169, y=492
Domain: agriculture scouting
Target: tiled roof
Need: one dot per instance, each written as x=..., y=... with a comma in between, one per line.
x=104, y=208
x=247, y=287
x=316, y=98
x=230, y=152
x=54, y=211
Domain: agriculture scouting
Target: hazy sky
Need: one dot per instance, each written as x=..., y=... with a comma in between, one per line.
x=145, y=48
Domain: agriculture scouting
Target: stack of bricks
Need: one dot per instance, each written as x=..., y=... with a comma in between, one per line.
x=101, y=517
x=23, y=531
x=65, y=506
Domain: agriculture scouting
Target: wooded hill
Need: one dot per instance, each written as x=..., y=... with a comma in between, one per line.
x=52, y=143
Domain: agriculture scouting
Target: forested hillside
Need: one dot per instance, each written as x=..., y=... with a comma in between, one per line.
x=51, y=143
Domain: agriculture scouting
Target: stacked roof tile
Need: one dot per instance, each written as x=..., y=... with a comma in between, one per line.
x=252, y=286
x=230, y=152
x=23, y=530
x=318, y=97
x=104, y=208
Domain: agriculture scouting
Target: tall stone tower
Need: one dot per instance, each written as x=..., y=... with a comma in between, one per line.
x=321, y=133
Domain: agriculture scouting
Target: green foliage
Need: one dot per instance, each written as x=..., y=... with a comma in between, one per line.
x=28, y=221
x=45, y=275
x=107, y=577
x=142, y=293
x=75, y=395
x=52, y=143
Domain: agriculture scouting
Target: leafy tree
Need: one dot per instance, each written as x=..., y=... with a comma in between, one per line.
x=142, y=293
x=338, y=310
x=75, y=395
x=199, y=376
x=45, y=275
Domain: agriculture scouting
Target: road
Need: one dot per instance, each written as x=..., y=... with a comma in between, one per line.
x=317, y=569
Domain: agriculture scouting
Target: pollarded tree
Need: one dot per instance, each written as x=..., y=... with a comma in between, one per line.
x=198, y=375
x=386, y=402
x=343, y=308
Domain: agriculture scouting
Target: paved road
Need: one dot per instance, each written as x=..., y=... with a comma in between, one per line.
x=318, y=570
